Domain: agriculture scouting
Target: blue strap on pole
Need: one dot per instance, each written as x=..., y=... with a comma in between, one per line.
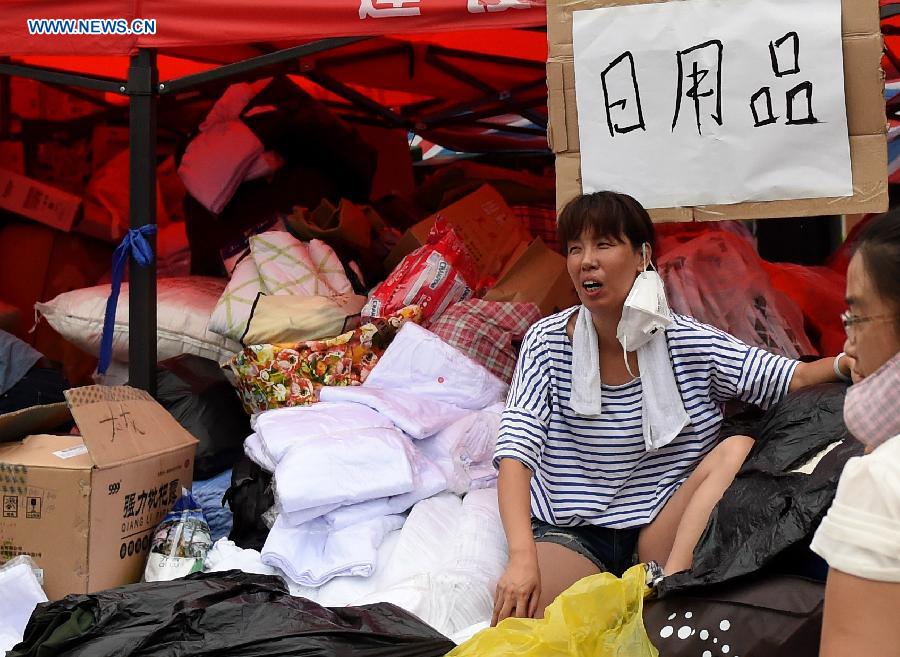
x=134, y=243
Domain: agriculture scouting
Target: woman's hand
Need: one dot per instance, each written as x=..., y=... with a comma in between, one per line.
x=519, y=590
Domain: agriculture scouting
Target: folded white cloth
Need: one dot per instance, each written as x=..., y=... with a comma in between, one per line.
x=232, y=102
x=430, y=480
x=664, y=415
x=415, y=415
x=343, y=469
x=256, y=452
x=20, y=593
x=464, y=450
x=282, y=428
x=265, y=165
x=313, y=553
x=297, y=518
x=225, y=555
x=344, y=590
x=216, y=162
x=586, y=399
x=417, y=361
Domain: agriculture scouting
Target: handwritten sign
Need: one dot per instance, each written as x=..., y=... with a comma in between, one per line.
x=706, y=102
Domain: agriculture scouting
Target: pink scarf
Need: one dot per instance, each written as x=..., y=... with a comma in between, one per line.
x=872, y=406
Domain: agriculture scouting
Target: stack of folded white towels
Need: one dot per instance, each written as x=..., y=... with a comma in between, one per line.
x=346, y=469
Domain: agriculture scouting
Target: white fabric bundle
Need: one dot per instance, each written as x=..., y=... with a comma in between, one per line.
x=344, y=590
x=419, y=362
x=448, y=561
x=463, y=451
x=20, y=593
x=283, y=428
x=225, y=152
x=256, y=452
x=416, y=416
x=225, y=555
x=343, y=469
x=429, y=481
x=313, y=553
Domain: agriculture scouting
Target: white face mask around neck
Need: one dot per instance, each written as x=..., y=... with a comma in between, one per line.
x=645, y=312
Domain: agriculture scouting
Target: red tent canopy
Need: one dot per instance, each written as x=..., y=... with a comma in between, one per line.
x=205, y=23
x=465, y=73
x=431, y=75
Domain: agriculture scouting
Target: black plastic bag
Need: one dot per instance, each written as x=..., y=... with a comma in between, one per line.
x=774, y=616
x=771, y=508
x=197, y=394
x=231, y=613
x=249, y=497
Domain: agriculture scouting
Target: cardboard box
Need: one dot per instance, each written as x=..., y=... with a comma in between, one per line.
x=483, y=221
x=106, y=142
x=864, y=94
x=85, y=507
x=37, y=201
x=12, y=156
x=33, y=100
x=538, y=275
x=66, y=166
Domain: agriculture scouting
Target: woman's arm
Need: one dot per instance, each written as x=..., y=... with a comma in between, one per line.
x=514, y=493
x=519, y=590
x=819, y=371
x=860, y=617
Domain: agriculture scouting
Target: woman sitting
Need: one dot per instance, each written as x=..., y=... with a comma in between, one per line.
x=860, y=536
x=609, y=450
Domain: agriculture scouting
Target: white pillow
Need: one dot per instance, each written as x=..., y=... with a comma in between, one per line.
x=285, y=266
x=328, y=267
x=184, y=306
x=235, y=306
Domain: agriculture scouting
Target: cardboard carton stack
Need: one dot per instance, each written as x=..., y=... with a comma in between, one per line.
x=864, y=92
x=84, y=507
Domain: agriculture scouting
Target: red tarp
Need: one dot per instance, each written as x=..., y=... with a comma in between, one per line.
x=203, y=23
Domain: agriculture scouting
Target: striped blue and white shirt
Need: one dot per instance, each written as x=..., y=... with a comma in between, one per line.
x=597, y=470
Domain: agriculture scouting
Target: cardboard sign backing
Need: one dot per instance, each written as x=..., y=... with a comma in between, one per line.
x=864, y=93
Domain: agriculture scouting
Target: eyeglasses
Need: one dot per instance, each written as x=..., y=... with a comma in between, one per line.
x=850, y=321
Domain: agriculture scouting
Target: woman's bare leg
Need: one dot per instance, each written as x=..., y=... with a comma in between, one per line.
x=560, y=568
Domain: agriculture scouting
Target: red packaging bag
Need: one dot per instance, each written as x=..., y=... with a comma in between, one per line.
x=819, y=293
x=434, y=276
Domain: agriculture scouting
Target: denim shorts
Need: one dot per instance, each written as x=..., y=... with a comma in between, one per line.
x=611, y=550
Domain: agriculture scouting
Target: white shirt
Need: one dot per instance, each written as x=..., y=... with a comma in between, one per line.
x=860, y=535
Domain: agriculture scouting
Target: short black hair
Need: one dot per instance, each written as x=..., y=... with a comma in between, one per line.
x=606, y=214
x=879, y=246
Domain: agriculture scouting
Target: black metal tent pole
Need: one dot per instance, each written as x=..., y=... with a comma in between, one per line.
x=142, y=89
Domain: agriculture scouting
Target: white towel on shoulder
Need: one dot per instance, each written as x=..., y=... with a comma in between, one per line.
x=663, y=414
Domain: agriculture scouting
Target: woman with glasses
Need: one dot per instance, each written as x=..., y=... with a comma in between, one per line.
x=860, y=536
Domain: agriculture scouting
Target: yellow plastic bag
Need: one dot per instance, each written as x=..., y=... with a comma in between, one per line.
x=598, y=616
